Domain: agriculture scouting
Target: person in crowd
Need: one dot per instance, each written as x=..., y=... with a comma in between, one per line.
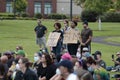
x=84, y=75
x=25, y=72
x=4, y=60
x=65, y=28
x=40, y=31
x=19, y=48
x=117, y=61
x=19, y=54
x=46, y=69
x=98, y=59
x=37, y=61
x=65, y=71
x=86, y=35
x=3, y=75
x=57, y=49
x=85, y=53
x=10, y=56
x=66, y=25
x=72, y=48
x=99, y=73
x=80, y=64
x=66, y=56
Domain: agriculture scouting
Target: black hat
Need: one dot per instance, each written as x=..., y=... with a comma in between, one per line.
x=98, y=53
x=85, y=22
x=66, y=63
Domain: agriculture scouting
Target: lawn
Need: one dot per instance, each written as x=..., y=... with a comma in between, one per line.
x=21, y=32
x=114, y=39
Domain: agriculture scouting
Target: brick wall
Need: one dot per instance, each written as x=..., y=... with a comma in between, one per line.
x=2, y=5
x=30, y=7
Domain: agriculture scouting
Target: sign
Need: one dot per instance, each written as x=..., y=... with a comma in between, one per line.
x=70, y=36
x=53, y=39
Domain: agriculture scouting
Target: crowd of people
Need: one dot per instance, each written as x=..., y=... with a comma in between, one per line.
x=72, y=61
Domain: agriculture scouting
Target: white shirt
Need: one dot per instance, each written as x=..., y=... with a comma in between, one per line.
x=72, y=77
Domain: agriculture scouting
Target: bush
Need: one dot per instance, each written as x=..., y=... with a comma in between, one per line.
x=6, y=15
x=111, y=17
x=89, y=15
x=38, y=15
x=56, y=16
x=24, y=15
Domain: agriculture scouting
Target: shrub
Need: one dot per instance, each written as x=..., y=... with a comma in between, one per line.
x=24, y=15
x=111, y=17
x=89, y=15
x=56, y=16
x=38, y=15
x=6, y=15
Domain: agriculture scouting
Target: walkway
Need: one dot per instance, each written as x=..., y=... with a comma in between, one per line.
x=101, y=40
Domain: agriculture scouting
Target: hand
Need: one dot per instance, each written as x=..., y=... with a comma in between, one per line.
x=83, y=44
x=43, y=78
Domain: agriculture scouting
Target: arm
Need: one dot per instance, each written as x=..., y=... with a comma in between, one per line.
x=90, y=37
x=88, y=40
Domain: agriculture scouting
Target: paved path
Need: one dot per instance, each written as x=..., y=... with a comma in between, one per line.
x=101, y=40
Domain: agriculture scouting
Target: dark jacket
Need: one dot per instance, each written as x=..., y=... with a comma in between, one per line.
x=48, y=72
x=28, y=75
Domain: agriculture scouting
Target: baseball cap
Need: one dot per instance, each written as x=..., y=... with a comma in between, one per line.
x=66, y=63
x=66, y=56
x=85, y=49
x=20, y=52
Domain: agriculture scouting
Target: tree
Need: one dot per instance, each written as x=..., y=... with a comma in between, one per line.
x=117, y=5
x=20, y=5
x=99, y=6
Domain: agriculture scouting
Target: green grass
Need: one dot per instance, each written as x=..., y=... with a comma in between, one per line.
x=113, y=39
x=21, y=32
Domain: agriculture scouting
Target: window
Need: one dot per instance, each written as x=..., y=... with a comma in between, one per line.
x=47, y=9
x=37, y=7
x=9, y=8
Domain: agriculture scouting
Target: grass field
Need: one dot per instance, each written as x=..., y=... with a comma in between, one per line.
x=114, y=39
x=21, y=32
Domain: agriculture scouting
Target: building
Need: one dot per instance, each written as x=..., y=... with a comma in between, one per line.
x=42, y=6
x=34, y=6
x=63, y=7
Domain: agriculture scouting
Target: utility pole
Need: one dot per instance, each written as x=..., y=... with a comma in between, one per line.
x=71, y=10
x=14, y=8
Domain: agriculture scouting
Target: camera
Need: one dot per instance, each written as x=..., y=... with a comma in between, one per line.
x=112, y=56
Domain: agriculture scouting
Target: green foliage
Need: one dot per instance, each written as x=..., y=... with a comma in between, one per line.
x=6, y=15
x=89, y=15
x=100, y=6
x=56, y=16
x=38, y=15
x=20, y=5
x=111, y=17
x=24, y=14
x=117, y=5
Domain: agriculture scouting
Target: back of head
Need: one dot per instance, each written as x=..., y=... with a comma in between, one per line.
x=4, y=59
x=84, y=75
x=25, y=61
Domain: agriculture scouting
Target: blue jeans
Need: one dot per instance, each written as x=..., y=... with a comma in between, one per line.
x=57, y=50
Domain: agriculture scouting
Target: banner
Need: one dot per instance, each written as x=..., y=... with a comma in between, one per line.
x=53, y=39
x=70, y=36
